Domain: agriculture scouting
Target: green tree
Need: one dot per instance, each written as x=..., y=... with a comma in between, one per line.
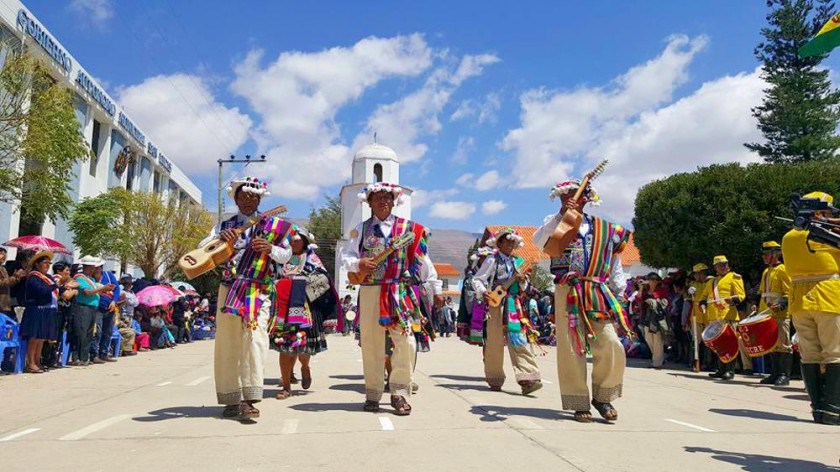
x=325, y=224
x=541, y=279
x=800, y=115
x=99, y=224
x=723, y=209
x=40, y=140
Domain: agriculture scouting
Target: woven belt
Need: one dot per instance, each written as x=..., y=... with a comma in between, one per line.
x=814, y=278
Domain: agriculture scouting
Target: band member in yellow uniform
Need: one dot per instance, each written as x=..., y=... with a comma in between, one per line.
x=775, y=284
x=696, y=293
x=507, y=323
x=815, y=309
x=725, y=292
x=389, y=298
x=588, y=275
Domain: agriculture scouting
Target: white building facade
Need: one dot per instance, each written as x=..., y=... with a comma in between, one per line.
x=120, y=153
x=371, y=163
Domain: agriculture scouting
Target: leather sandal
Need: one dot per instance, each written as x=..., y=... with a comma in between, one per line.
x=583, y=416
x=530, y=386
x=247, y=411
x=371, y=406
x=606, y=410
x=401, y=406
x=306, y=382
x=284, y=394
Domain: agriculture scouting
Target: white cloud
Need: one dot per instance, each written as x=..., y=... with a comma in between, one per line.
x=465, y=146
x=488, y=181
x=465, y=180
x=97, y=12
x=182, y=117
x=636, y=124
x=298, y=95
x=400, y=124
x=421, y=198
x=559, y=126
x=486, y=110
x=452, y=210
x=492, y=207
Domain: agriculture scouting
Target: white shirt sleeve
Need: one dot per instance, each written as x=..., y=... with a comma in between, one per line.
x=618, y=280
x=349, y=255
x=481, y=279
x=428, y=273
x=546, y=230
x=281, y=254
x=214, y=233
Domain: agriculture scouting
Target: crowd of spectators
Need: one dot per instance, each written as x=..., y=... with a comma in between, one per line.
x=84, y=309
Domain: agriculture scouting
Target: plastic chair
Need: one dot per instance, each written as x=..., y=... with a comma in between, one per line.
x=116, y=342
x=10, y=339
x=65, y=349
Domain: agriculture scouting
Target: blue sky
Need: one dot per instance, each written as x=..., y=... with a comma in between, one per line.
x=488, y=102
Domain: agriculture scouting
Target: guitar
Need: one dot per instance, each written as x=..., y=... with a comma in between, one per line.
x=357, y=278
x=565, y=232
x=495, y=296
x=217, y=252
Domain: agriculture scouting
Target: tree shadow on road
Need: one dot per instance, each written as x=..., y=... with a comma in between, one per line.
x=327, y=407
x=459, y=378
x=756, y=414
x=463, y=387
x=176, y=412
x=761, y=463
x=500, y=413
x=718, y=381
x=358, y=388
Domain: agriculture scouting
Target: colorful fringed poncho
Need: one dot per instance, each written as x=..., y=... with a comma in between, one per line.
x=254, y=274
x=585, y=267
x=399, y=299
x=497, y=270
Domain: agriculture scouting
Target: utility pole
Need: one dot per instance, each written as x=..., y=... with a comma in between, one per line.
x=233, y=159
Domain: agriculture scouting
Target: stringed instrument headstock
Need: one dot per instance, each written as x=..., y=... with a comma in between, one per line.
x=594, y=173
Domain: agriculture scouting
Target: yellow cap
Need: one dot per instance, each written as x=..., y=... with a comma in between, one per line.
x=770, y=245
x=720, y=260
x=821, y=196
x=699, y=267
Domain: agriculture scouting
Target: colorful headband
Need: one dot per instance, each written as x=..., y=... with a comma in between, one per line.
x=483, y=251
x=377, y=187
x=250, y=185
x=506, y=232
x=567, y=186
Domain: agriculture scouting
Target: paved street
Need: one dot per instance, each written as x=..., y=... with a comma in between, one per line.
x=157, y=411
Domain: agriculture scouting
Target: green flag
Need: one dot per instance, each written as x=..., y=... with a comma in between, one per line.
x=827, y=39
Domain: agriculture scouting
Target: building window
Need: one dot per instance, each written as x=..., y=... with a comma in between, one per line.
x=377, y=173
x=445, y=284
x=156, y=185
x=94, y=148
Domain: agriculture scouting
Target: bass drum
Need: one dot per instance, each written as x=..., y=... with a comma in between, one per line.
x=759, y=333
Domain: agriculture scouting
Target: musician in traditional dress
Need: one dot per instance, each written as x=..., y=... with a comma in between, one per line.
x=472, y=308
x=722, y=297
x=508, y=323
x=389, y=297
x=302, y=307
x=588, y=274
x=775, y=285
x=814, y=296
x=696, y=293
x=245, y=299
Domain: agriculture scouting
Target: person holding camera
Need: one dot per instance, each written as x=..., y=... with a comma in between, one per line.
x=814, y=297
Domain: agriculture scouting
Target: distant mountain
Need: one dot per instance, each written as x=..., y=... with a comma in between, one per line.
x=450, y=246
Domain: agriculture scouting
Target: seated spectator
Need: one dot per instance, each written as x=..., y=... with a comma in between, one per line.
x=161, y=334
x=141, y=339
x=128, y=336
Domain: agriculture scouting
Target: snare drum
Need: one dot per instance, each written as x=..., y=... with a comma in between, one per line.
x=722, y=340
x=759, y=333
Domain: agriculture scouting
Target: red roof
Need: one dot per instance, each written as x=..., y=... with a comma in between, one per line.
x=630, y=255
x=447, y=270
x=530, y=252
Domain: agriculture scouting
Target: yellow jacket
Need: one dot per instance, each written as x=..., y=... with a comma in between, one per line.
x=699, y=295
x=724, y=286
x=815, y=277
x=775, y=285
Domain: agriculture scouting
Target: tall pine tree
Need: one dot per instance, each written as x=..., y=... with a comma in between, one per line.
x=800, y=113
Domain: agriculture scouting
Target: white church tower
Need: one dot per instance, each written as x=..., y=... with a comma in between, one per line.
x=372, y=163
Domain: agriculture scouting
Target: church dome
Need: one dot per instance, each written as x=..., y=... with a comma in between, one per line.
x=375, y=151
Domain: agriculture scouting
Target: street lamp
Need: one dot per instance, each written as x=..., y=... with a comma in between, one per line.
x=232, y=159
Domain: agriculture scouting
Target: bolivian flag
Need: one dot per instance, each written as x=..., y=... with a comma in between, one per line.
x=827, y=39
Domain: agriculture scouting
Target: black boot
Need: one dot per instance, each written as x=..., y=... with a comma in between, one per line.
x=784, y=361
x=795, y=367
x=831, y=395
x=773, y=357
x=728, y=371
x=812, y=377
x=719, y=371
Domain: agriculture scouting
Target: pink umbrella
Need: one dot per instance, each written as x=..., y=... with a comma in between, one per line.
x=38, y=243
x=157, y=295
